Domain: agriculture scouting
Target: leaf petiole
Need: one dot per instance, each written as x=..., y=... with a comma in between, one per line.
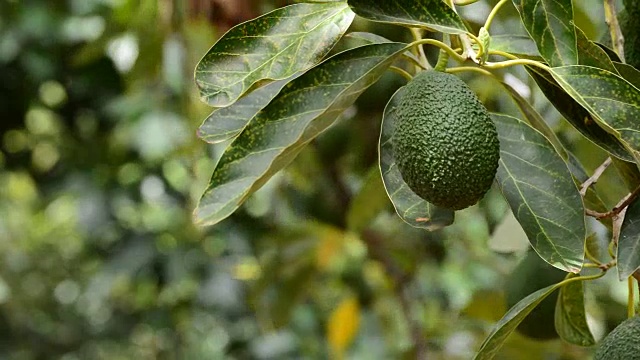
x=457, y=57
x=402, y=72
x=493, y=13
x=469, y=68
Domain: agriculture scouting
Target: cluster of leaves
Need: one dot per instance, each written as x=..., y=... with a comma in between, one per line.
x=275, y=90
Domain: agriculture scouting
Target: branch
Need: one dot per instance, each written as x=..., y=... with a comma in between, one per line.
x=617, y=39
x=613, y=213
x=594, y=178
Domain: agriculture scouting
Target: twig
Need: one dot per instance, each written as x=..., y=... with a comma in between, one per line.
x=617, y=39
x=594, y=178
x=622, y=205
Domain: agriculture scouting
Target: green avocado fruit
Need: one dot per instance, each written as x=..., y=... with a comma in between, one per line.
x=531, y=275
x=623, y=343
x=445, y=144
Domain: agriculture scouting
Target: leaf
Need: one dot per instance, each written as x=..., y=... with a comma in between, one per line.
x=227, y=123
x=510, y=322
x=370, y=38
x=612, y=54
x=612, y=101
x=410, y=207
x=343, y=325
x=629, y=242
x=301, y=111
x=368, y=203
x=590, y=54
x=271, y=47
x=429, y=14
x=576, y=115
x=629, y=73
x=541, y=193
x=570, y=318
x=521, y=45
x=535, y=119
x=550, y=25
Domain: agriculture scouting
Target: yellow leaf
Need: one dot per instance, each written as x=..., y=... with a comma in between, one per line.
x=331, y=241
x=343, y=325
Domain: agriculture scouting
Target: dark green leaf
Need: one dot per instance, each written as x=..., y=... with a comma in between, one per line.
x=409, y=206
x=271, y=47
x=576, y=115
x=629, y=242
x=612, y=101
x=370, y=38
x=541, y=193
x=535, y=119
x=610, y=53
x=570, y=317
x=515, y=44
x=368, y=203
x=590, y=54
x=510, y=322
x=550, y=25
x=429, y=14
x=301, y=111
x=226, y=123
x=628, y=73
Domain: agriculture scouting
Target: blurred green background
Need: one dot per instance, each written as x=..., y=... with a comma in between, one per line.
x=101, y=168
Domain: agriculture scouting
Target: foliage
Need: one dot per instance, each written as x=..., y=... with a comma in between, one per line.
x=538, y=173
x=100, y=174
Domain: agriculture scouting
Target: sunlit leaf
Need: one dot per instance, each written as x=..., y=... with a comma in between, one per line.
x=410, y=207
x=541, y=193
x=370, y=38
x=521, y=45
x=226, y=123
x=510, y=322
x=300, y=112
x=577, y=115
x=430, y=14
x=629, y=243
x=570, y=318
x=612, y=101
x=343, y=325
x=271, y=47
x=550, y=25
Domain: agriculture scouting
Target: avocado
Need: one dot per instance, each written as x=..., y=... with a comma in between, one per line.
x=622, y=343
x=445, y=144
x=530, y=275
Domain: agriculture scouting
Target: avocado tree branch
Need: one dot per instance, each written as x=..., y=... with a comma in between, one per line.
x=594, y=178
x=617, y=210
x=617, y=39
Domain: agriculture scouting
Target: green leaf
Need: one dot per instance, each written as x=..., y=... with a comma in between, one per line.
x=570, y=317
x=535, y=119
x=370, y=38
x=227, y=123
x=541, y=193
x=521, y=45
x=510, y=322
x=590, y=54
x=271, y=47
x=628, y=73
x=576, y=115
x=430, y=14
x=612, y=101
x=410, y=207
x=610, y=53
x=550, y=25
x=629, y=242
x=301, y=111
x=368, y=203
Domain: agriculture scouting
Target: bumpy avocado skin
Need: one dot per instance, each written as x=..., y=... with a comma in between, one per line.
x=531, y=275
x=623, y=343
x=445, y=144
